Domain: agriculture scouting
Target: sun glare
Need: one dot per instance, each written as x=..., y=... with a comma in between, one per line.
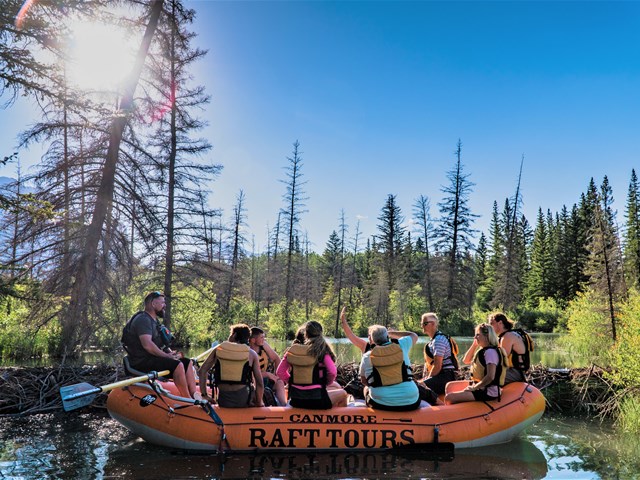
x=100, y=56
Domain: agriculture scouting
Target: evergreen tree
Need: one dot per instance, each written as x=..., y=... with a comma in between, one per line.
x=606, y=259
x=294, y=199
x=391, y=239
x=454, y=233
x=421, y=213
x=632, y=232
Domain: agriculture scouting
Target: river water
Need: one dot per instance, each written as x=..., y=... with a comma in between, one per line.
x=93, y=446
x=90, y=446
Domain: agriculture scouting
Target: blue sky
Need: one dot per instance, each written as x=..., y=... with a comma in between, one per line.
x=378, y=94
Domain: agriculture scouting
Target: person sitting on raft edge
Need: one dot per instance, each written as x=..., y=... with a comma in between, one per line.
x=385, y=371
x=516, y=343
x=144, y=343
x=488, y=369
x=309, y=368
x=236, y=369
x=269, y=361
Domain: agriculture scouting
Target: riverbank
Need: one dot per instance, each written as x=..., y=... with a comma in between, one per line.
x=34, y=390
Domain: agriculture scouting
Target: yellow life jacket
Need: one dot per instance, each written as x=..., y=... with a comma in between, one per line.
x=388, y=366
x=479, y=366
x=232, y=364
x=304, y=367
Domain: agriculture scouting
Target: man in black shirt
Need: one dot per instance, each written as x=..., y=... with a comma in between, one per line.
x=148, y=348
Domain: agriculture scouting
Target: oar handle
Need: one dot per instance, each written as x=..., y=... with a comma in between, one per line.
x=131, y=381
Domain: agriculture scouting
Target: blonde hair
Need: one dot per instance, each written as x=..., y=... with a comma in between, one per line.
x=488, y=331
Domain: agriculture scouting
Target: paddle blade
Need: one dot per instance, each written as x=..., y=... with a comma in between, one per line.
x=78, y=396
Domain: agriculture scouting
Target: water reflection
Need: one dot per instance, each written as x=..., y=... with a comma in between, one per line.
x=517, y=460
x=62, y=446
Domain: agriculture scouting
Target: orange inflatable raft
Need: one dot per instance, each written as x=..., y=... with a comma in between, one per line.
x=163, y=419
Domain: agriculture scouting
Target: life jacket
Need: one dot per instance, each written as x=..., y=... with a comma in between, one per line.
x=452, y=359
x=305, y=369
x=388, y=366
x=265, y=361
x=479, y=367
x=232, y=364
x=162, y=340
x=520, y=361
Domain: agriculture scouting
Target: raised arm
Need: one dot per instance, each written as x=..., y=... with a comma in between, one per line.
x=396, y=334
x=468, y=356
x=361, y=343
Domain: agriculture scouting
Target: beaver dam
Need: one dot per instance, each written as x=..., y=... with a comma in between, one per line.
x=33, y=390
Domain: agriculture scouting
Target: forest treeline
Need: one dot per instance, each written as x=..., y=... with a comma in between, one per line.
x=119, y=205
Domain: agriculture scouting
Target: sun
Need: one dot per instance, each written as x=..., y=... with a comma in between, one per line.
x=100, y=56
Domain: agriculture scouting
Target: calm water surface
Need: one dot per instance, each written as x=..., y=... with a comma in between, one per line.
x=85, y=446
x=77, y=445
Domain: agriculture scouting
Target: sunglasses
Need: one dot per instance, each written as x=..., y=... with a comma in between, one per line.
x=155, y=295
x=424, y=324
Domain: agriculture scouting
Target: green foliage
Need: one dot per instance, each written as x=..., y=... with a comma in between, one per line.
x=629, y=414
x=589, y=329
x=406, y=309
x=458, y=323
x=274, y=320
x=20, y=339
x=193, y=316
x=626, y=361
x=544, y=318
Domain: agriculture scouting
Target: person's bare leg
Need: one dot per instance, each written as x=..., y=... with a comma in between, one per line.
x=338, y=397
x=281, y=395
x=191, y=383
x=180, y=380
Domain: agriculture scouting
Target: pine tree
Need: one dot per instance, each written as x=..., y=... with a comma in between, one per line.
x=632, y=232
x=294, y=199
x=390, y=238
x=421, y=213
x=454, y=233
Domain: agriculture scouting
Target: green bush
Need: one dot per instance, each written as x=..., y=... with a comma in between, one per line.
x=589, y=329
x=629, y=414
x=626, y=362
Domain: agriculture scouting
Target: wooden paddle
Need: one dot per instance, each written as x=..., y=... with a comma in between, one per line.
x=82, y=394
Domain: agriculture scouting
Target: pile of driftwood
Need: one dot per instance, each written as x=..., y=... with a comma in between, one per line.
x=25, y=391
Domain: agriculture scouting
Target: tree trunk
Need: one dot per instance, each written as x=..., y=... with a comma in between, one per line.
x=78, y=304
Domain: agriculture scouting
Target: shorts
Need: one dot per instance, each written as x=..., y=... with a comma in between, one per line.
x=313, y=398
x=159, y=364
x=514, y=375
x=235, y=398
x=395, y=408
x=481, y=396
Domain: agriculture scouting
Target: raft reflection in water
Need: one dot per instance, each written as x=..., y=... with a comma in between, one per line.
x=518, y=459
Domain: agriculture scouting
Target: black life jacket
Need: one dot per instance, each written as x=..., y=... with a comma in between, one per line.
x=232, y=364
x=519, y=361
x=479, y=367
x=451, y=359
x=265, y=361
x=388, y=365
x=305, y=369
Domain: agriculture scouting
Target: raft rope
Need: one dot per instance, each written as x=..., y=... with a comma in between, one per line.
x=204, y=404
x=210, y=410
